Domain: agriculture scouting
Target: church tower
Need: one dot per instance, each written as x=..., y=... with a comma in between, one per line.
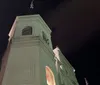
x=31, y=60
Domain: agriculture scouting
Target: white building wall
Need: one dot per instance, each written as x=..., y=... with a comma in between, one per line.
x=22, y=66
x=47, y=59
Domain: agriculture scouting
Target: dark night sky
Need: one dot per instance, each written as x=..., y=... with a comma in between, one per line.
x=75, y=26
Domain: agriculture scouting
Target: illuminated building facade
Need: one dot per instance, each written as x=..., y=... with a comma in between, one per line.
x=31, y=59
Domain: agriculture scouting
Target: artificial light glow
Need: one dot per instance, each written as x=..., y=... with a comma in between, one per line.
x=50, y=76
x=73, y=70
x=56, y=52
x=61, y=67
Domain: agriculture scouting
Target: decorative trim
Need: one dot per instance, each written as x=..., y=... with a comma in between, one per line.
x=32, y=41
x=35, y=17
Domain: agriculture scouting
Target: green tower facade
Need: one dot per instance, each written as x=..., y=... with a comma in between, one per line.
x=31, y=60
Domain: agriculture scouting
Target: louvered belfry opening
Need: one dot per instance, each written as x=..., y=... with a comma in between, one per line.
x=27, y=30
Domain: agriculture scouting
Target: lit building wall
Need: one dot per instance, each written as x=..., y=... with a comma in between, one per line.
x=30, y=59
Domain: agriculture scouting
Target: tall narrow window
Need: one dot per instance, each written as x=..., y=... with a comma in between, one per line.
x=27, y=30
x=50, y=76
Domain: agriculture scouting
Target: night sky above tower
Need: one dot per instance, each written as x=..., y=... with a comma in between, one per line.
x=75, y=26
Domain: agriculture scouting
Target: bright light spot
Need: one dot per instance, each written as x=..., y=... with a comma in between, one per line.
x=56, y=52
x=50, y=76
x=73, y=70
x=61, y=67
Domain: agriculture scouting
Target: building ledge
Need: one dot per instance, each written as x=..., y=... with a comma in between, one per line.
x=31, y=41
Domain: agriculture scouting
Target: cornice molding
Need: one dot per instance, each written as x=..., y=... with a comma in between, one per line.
x=35, y=17
x=29, y=41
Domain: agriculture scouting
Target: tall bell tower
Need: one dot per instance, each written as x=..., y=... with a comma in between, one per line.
x=31, y=59
x=32, y=26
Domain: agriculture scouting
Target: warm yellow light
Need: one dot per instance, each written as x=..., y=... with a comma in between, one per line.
x=50, y=76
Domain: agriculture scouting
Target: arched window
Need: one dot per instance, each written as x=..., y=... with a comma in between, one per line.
x=50, y=76
x=27, y=30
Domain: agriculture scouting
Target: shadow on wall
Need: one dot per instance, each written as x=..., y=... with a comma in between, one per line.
x=4, y=62
x=3, y=46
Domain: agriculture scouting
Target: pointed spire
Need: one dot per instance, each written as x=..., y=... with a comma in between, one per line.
x=32, y=4
x=86, y=81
